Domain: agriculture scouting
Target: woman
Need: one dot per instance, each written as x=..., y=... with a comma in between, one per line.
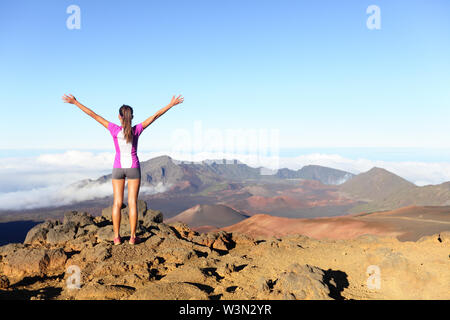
x=126, y=162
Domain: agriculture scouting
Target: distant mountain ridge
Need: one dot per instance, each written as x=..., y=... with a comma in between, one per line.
x=319, y=173
x=384, y=190
x=166, y=170
x=375, y=184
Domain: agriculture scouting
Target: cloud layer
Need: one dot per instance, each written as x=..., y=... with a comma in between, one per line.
x=59, y=195
x=49, y=180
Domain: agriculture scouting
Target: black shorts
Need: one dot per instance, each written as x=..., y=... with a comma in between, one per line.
x=129, y=173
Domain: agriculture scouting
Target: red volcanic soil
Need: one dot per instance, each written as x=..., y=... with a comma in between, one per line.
x=413, y=222
x=260, y=202
x=289, y=200
x=313, y=184
x=407, y=224
x=437, y=212
x=318, y=228
x=276, y=199
x=217, y=215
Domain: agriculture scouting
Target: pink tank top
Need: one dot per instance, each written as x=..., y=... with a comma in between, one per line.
x=126, y=153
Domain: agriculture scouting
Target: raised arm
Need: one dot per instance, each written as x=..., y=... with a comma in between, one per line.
x=71, y=99
x=159, y=113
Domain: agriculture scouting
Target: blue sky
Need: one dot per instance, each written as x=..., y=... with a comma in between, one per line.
x=336, y=93
x=310, y=69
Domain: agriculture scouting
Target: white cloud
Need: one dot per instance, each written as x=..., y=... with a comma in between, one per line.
x=28, y=173
x=59, y=195
x=49, y=180
x=77, y=159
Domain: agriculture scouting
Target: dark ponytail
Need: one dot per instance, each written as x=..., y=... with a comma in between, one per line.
x=126, y=112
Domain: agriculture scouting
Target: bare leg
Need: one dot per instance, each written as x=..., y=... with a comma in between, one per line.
x=118, y=187
x=133, y=192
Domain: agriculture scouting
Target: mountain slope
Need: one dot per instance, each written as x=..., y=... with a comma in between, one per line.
x=375, y=185
x=432, y=195
x=196, y=176
x=209, y=215
x=317, y=173
x=407, y=224
x=383, y=190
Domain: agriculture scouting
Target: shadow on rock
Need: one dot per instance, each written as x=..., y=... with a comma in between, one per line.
x=336, y=281
x=46, y=293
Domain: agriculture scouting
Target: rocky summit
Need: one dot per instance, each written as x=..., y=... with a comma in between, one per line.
x=76, y=259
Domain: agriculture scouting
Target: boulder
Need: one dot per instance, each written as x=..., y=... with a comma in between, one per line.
x=301, y=282
x=75, y=224
x=80, y=219
x=243, y=239
x=56, y=261
x=81, y=243
x=183, y=230
x=152, y=216
x=101, y=252
x=163, y=229
x=219, y=240
x=10, y=248
x=174, y=255
x=61, y=234
x=38, y=234
x=105, y=234
x=30, y=261
x=87, y=230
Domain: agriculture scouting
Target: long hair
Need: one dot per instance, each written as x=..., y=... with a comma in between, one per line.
x=126, y=112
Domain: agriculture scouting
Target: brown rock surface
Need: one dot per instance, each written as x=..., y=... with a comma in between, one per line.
x=175, y=262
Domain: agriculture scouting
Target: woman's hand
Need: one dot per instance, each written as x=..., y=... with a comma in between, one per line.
x=159, y=113
x=176, y=101
x=69, y=99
